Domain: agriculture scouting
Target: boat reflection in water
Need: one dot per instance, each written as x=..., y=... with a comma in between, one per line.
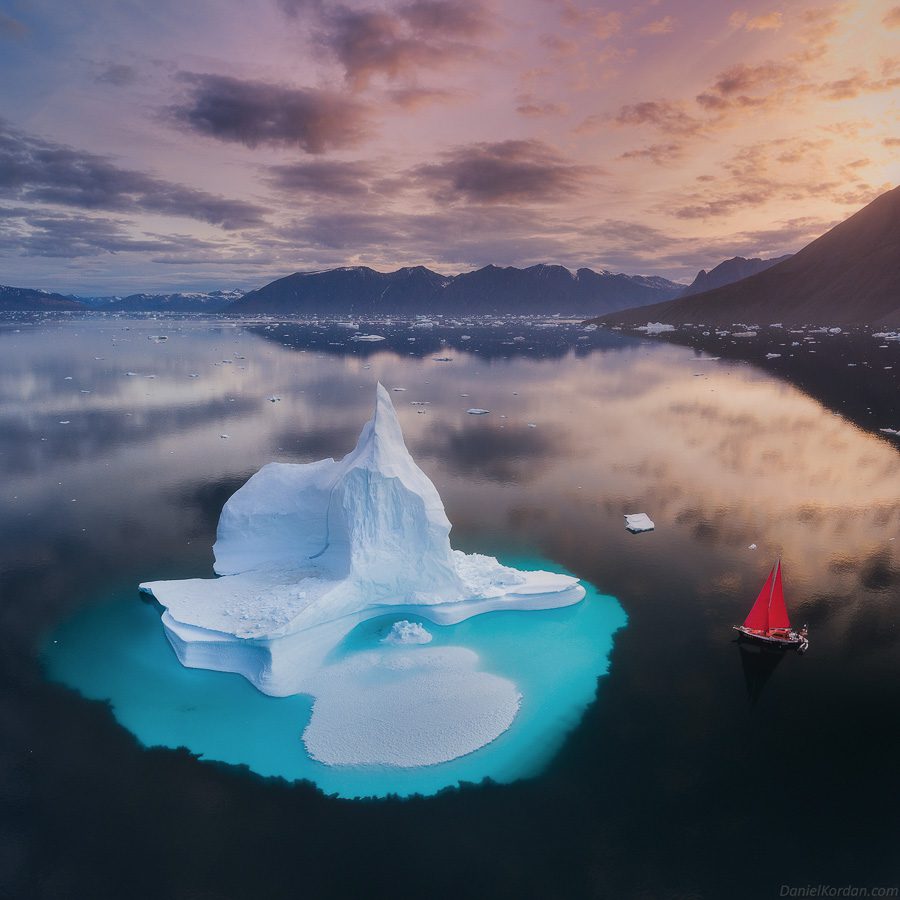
x=759, y=662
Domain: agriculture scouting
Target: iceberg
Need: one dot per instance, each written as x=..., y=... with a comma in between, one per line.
x=304, y=554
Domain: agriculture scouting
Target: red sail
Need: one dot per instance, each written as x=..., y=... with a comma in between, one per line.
x=778, y=616
x=759, y=615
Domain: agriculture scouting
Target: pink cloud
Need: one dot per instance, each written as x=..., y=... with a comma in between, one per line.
x=665, y=25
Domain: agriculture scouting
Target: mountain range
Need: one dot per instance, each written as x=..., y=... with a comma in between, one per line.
x=359, y=290
x=193, y=301
x=541, y=289
x=848, y=276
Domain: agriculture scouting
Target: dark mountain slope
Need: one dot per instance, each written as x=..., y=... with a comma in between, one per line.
x=728, y=272
x=848, y=276
x=13, y=298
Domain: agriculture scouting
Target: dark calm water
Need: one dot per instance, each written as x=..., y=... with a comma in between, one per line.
x=699, y=771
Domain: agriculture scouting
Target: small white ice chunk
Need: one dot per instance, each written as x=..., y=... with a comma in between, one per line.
x=638, y=522
x=475, y=411
x=406, y=632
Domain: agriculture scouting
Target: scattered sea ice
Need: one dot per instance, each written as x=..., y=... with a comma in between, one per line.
x=638, y=522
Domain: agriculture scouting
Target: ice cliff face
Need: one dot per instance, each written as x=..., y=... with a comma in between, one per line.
x=374, y=521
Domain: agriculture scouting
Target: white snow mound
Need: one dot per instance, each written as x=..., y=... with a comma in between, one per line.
x=405, y=632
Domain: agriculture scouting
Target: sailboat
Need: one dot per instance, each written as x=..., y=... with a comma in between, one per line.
x=768, y=620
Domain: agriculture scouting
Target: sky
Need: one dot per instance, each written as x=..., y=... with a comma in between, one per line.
x=224, y=143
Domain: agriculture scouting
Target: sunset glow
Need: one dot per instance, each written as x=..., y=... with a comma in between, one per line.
x=204, y=145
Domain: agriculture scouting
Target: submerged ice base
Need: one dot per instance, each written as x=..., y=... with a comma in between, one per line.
x=114, y=651
x=308, y=552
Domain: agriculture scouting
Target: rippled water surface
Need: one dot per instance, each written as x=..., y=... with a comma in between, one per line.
x=693, y=752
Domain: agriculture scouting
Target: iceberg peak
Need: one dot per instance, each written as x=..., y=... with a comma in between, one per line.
x=381, y=446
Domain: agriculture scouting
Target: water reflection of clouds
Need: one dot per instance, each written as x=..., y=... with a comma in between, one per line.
x=720, y=455
x=32, y=445
x=511, y=453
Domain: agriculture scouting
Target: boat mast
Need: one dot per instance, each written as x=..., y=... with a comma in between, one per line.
x=772, y=590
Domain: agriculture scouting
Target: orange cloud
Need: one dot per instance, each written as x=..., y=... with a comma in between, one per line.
x=767, y=22
x=892, y=18
x=660, y=154
x=667, y=116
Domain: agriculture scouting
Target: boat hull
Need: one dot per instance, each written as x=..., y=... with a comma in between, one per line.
x=768, y=639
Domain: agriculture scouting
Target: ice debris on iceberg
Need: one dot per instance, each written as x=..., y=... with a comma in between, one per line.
x=405, y=632
x=307, y=552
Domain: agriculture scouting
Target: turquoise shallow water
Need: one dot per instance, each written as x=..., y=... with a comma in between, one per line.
x=116, y=650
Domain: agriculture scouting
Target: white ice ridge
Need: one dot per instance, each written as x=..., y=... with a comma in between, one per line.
x=307, y=552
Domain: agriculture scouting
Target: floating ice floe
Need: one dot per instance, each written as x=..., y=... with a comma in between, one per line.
x=308, y=552
x=367, y=337
x=638, y=522
x=655, y=328
x=476, y=411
